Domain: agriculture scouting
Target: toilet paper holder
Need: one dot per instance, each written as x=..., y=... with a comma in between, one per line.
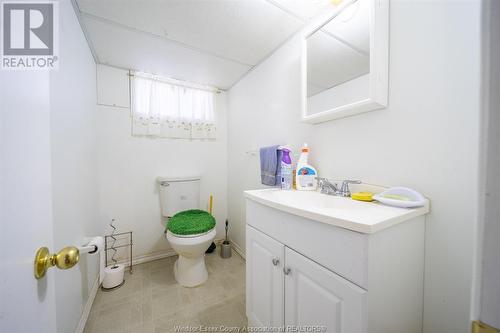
x=118, y=237
x=64, y=259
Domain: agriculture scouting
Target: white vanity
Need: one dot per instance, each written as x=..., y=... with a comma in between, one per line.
x=328, y=261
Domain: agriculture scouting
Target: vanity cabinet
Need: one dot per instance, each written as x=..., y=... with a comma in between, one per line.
x=285, y=287
x=308, y=273
x=315, y=295
x=264, y=279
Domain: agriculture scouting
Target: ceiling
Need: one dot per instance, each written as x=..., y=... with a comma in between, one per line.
x=213, y=42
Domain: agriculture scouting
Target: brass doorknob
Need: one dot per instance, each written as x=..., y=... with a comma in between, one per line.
x=64, y=259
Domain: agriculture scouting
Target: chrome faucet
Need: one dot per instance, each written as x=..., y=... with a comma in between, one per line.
x=344, y=190
x=327, y=187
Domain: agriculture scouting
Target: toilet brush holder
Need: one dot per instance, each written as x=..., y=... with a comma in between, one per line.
x=225, y=249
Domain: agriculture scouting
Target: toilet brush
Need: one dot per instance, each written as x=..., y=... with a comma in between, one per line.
x=225, y=248
x=227, y=227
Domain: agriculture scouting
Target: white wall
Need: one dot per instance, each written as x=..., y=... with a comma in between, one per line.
x=74, y=166
x=426, y=139
x=130, y=165
x=490, y=284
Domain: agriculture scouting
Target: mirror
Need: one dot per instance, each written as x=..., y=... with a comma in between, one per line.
x=345, y=63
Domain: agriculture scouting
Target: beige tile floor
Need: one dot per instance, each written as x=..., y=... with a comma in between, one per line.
x=152, y=301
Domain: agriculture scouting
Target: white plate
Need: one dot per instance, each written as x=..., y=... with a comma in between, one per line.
x=415, y=199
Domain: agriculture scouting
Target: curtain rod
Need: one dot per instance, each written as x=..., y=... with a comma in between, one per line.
x=176, y=82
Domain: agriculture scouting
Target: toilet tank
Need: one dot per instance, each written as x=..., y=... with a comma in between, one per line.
x=178, y=194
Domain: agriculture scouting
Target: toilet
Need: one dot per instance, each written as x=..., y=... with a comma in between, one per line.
x=190, y=231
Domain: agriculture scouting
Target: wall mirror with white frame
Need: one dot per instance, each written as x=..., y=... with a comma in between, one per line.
x=345, y=62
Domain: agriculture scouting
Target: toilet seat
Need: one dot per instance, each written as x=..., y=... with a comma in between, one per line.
x=190, y=236
x=191, y=223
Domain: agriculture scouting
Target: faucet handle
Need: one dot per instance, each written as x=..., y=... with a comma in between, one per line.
x=344, y=190
x=321, y=183
x=321, y=180
x=326, y=186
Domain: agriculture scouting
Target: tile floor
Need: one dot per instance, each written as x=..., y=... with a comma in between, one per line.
x=152, y=301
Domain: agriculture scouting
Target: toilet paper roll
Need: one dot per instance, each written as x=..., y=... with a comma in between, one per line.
x=114, y=276
x=98, y=241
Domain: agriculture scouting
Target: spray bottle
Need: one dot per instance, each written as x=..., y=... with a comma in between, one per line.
x=306, y=174
x=286, y=170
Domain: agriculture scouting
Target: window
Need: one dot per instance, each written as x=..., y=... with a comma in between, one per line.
x=163, y=107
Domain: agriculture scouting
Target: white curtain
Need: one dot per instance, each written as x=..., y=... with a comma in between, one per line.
x=164, y=108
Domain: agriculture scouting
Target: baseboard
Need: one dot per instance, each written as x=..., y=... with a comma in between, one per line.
x=148, y=257
x=88, y=306
x=169, y=253
x=159, y=255
x=480, y=327
x=218, y=241
x=238, y=249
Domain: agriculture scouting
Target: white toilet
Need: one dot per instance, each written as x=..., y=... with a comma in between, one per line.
x=190, y=241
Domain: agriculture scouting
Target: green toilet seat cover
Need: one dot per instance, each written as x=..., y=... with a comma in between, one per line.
x=191, y=222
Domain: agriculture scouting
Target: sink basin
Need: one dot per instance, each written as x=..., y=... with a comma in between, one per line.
x=364, y=217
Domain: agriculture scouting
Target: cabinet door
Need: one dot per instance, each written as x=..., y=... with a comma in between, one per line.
x=316, y=296
x=264, y=279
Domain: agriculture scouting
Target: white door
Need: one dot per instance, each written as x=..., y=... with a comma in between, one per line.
x=264, y=279
x=316, y=296
x=26, y=304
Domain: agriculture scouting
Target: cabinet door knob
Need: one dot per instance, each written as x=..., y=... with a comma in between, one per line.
x=276, y=261
x=287, y=270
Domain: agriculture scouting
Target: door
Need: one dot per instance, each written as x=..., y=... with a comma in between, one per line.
x=316, y=296
x=264, y=279
x=26, y=304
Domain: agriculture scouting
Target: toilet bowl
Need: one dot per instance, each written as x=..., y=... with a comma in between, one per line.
x=190, y=231
x=189, y=268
